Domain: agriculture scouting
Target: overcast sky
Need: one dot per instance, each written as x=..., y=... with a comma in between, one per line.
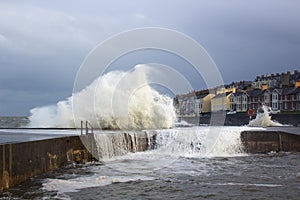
x=43, y=43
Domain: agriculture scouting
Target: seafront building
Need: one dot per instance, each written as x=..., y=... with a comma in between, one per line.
x=280, y=92
x=220, y=102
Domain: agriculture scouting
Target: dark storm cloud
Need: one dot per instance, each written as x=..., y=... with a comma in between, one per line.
x=247, y=39
x=43, y=43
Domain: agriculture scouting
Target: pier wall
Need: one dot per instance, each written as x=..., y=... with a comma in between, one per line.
x=19, y=161
x=267, y=141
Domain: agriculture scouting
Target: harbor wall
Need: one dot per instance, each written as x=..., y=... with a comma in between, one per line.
x=270, y=141
x=20, y=161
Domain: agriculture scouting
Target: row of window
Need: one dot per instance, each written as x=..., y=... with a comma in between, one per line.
x=286, y=106
x=257, y=99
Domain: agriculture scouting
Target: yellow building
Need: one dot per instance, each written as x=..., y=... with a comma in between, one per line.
x=264, y=86
x=220, y=102
x=297, y=84
x=206, y=103
x=226, y=90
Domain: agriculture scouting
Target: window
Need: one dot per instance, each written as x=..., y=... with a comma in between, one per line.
x=293, y=106
x=275, y=96
x=275, y=105
x=285, y=105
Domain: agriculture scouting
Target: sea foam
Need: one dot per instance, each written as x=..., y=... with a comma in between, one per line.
x=115, y=100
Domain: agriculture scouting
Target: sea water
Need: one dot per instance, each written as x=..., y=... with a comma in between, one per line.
x=185, y=164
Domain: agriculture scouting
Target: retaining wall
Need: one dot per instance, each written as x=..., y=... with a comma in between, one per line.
x=267, y=141
x=19, y=161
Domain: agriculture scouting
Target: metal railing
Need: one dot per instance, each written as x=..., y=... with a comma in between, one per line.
x=85, y=125
x=89, y=132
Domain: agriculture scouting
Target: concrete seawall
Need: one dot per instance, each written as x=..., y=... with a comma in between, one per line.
x=270, y=140
x=20, y=161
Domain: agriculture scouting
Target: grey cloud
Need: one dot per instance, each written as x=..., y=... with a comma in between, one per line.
x=43, y=43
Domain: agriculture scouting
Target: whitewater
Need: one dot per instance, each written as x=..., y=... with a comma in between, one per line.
x=191, y=162
x=121, y=100
x=184, y=163
x=263, y=119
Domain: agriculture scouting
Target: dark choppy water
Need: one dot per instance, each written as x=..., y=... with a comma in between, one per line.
x=272, y=176
x=177, y=169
